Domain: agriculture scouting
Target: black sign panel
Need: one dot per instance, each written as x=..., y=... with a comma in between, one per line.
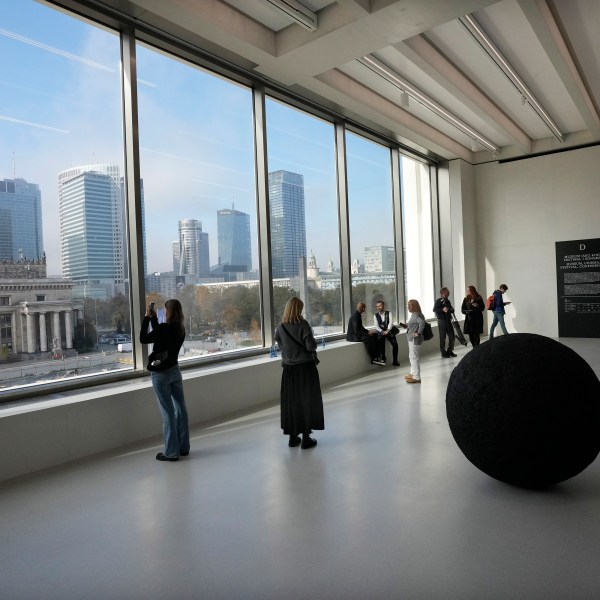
x=578, y=288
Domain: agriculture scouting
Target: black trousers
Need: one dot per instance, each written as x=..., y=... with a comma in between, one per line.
x=445, y=329
x=371, y=344
x=392, y=340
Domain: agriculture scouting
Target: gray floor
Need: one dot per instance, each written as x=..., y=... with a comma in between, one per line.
x=385, y=506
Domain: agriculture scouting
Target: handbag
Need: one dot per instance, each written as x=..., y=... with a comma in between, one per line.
x=315, y=357
x=394, y=330
x=427, y=331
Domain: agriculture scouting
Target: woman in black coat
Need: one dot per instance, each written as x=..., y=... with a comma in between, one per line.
x=301, y=400
x=472, y=308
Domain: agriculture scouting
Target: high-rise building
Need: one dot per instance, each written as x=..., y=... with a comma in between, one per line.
x=288, y=223
x=92, y=232
x=193, y=249
x=233, y=231
x=21, y=235
x=379, y=259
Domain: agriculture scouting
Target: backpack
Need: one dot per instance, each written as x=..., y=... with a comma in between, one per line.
x=427, y=331
x=490, y=303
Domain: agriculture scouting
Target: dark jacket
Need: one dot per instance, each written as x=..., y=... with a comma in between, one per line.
x=499, y=302
x=438, y=307
x=166, y=338
x=356, y=331
x=473, y=312
x=303, y=349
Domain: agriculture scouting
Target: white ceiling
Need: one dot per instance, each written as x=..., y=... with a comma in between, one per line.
x=553, y=45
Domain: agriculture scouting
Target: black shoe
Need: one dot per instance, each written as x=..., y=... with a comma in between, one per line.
x=445, y=355
x=161, y=456
x=308, y=442
x=184, y=453
x=294, y=441
x=396, y=363
x=452, y=354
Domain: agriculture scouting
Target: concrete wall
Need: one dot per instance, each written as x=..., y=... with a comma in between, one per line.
x=69, y=426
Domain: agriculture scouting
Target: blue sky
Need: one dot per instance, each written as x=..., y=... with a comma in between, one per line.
x=60, y=106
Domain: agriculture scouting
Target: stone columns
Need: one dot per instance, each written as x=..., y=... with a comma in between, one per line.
x=30, y=339
x=69, y=328
x=43, y=336
x=56, y=327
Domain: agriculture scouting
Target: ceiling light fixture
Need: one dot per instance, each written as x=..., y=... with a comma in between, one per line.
x=492, y=51
x=406, y=87
x=297, y=12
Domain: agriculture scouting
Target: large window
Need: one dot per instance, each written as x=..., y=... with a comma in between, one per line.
x=197, y=167
x=62, y=230
x=417, y=233
x=304, y=216
x=371, y=218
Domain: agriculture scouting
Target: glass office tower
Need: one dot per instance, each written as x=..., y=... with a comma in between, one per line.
x=21, y=235
x=288, y=223
x=233, y=229
x=91, y=229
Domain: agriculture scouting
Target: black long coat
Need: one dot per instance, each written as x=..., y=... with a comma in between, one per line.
x=473, y=312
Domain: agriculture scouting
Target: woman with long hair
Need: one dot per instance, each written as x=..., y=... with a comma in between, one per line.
x=414, y=335
x=167, y=382
x=472, y=307
x=301, y=400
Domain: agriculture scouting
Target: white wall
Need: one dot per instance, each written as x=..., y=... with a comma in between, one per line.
x=522, y=209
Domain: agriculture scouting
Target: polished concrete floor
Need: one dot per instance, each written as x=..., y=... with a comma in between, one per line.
x=385, y=506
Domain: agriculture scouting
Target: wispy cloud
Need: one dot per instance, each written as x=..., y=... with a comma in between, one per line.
x=30, y=124
x=81, y=59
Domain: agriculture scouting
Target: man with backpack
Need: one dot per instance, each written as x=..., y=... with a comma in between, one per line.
x=497, y=305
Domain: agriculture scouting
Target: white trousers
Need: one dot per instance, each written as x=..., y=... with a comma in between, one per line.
x=413, y=355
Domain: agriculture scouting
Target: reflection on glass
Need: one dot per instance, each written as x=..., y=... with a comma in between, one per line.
x=417, y=233
x=197, y=164
x=304, y=216
x=63, y=276
x=371, y=218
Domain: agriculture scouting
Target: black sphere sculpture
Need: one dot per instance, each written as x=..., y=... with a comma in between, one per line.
x=525, y=409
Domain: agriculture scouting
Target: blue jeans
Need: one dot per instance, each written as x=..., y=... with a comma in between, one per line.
x=498, y=318
x=168, y=387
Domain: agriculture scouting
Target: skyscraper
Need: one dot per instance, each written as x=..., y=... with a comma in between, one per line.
x=21, y=234
x=233, y=231
x=288, y=222
x=193, y=249
x=92, y=229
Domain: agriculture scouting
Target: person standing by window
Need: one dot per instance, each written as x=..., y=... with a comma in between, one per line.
x=472, y=307
x=301, y=400
x=167, y=382
x=414, y=335
x=443, y=310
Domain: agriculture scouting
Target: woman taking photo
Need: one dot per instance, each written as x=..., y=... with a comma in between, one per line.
x=168, y=338
x=301, y=400
x=472, y=308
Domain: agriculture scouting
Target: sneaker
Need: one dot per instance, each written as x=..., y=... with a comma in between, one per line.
x=411, y=380
x=378, y=361
x=308, y=442
x=294, y=441
x=161, y=456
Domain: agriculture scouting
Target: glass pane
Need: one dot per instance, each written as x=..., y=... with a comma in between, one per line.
x=62, y=230
x=304, y=216
x=417, y=228
x=370, y=212
x=197, y=165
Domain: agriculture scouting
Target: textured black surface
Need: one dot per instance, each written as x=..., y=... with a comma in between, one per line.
x=525, y=409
